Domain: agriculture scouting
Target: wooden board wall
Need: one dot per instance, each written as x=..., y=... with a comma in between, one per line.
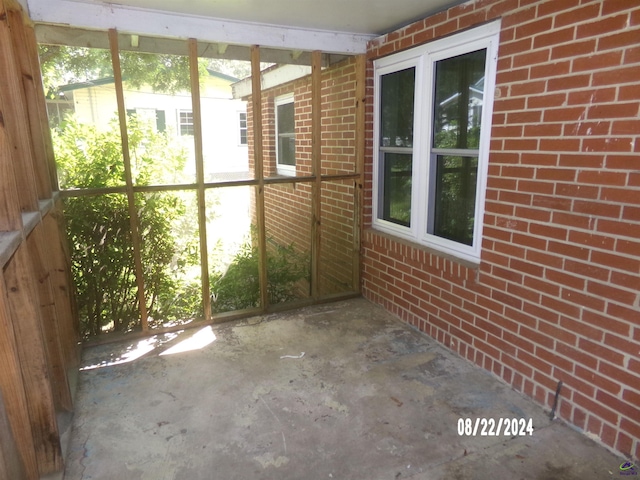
x=38, y=320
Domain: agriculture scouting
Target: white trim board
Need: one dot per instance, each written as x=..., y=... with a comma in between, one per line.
x=162, y=24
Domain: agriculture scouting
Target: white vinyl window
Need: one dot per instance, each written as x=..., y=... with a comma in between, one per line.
x=185, y=122
x=433, y=107
x=242, y=124
x=285, y=135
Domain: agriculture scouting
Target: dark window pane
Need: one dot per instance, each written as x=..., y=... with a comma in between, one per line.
x=455, y=198
x=285, y=118
x=396, y=187
x=396, y=108
x=459, y=92
x=287, y=150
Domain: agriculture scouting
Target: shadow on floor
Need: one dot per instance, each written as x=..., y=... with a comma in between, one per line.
x=342, y=391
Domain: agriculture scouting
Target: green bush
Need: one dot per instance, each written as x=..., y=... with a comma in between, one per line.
x=98, y=229
x=239, y=286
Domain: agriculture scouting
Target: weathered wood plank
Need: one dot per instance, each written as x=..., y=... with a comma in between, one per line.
x=133, y=213
x=10, y=218
x=258, y=158
x=24, y=309
x=15, y=117
x=202, y=214
x=40, y=247
x=30, y=80
x=43, y=116
x=62, y=285
x=11, y=464
x=11, y=385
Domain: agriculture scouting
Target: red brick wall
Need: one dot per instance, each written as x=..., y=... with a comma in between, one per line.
x=556, y=295
x=288, y=207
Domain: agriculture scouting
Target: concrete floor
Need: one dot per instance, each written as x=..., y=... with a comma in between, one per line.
x=370, y=399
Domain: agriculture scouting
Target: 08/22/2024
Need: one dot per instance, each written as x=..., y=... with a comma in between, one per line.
x=491, y=427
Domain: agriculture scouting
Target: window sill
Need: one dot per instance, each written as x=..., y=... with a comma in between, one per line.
x=473, y=265
x=286, y=173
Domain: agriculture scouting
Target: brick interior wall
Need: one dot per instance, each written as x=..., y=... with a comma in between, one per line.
x=556, y=295
x=288, y=206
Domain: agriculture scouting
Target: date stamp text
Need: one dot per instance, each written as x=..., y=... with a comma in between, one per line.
x=495, y=427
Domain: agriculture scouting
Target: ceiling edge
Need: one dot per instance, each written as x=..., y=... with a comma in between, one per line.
x=163, y=24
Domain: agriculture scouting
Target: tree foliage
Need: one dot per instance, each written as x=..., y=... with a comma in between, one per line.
x=62, y=65
x=100, y=235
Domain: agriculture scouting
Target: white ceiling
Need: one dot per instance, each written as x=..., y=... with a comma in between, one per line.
x=333, y=26
x=352, y=16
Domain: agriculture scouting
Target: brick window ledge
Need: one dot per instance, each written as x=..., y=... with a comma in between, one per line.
x=370, y=231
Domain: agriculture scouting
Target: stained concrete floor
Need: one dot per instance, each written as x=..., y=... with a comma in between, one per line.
x=370, y=399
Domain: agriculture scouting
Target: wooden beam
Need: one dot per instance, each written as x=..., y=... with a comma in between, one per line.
x=90, y=38
x=30, y=75
x=316, y=170
x=22, y=298
x=202, y=213
x=358, y=211
x=133, y=213
x=40, y=248
x=258, y=158
x=15, y=117
x=12, y=387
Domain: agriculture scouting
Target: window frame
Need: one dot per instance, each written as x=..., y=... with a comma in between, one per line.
x=242, y=129
x=282, y=169
x=423, y=58
x=181, y=124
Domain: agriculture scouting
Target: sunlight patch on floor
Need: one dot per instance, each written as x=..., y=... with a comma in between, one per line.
x=198, y=340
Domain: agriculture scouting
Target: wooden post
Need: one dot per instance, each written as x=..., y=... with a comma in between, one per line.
x=15, y=117
x=256, y=96
x=22, y=299
x=30, y=81
x=133, y=214
x=316, y=171
x=12, y=388
x=202, y=214
x=61, y=283
x=358, y=211
x=40, y=250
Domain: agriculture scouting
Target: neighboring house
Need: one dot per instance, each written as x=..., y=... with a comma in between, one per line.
x=224, y=119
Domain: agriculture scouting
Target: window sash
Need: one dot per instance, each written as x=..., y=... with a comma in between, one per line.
x=185, y=121
x=285, y=140
x=242, y=119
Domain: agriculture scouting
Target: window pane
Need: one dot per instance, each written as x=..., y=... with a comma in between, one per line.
x=455, y=200
x=459, y=93
x=285, y=118
x=396, y=108
x=286, y=150
x=396, y=201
